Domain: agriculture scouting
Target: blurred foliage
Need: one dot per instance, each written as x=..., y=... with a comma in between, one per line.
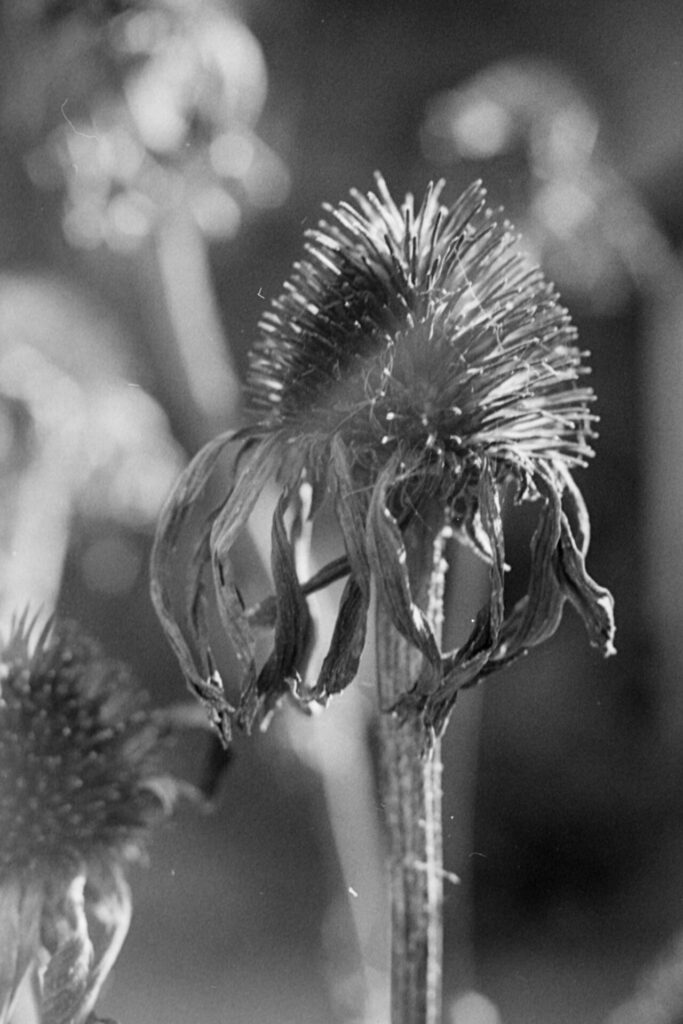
x=120, y=118
x=159, y=105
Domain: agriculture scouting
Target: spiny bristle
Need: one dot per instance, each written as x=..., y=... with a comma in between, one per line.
x=433, y=318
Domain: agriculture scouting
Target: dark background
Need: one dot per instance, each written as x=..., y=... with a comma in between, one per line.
x=562, y=784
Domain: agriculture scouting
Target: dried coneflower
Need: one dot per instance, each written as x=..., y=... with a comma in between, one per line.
x=416, y=366
x=414, y=359
x=81, y=788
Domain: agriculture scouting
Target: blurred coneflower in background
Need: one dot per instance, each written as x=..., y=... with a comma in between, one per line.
x=82, y=787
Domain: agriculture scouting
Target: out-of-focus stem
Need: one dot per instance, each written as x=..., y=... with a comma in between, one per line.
x=33, y=565
x=411, y=796
x=198, y=344
x=335, y=744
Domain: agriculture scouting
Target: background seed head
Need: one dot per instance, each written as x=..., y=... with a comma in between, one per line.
x=77, y=749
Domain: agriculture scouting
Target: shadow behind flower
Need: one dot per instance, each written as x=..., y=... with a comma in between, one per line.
x=79, y=760
x=415, y=363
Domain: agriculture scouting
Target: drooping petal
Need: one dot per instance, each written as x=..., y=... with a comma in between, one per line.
x=281, y=672
x=66, y=937
x=180, y=626
x=464, y=667
x=575, y=507
x=85, y=923
x=248, y=475
x=351, y=509
x=66, y=983
x=594, y=603
x=340, y=665
x=263, y=616
x=108, y=907
x=20, y=909
x=537, y=615
x=389, y=563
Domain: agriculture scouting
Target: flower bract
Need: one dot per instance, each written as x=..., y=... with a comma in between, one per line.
x=416, y=360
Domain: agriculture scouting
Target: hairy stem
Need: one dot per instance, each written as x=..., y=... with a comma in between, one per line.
x=411, y=797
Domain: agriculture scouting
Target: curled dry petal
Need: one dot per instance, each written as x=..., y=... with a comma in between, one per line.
x=340, y=665
x=180, y=620
x=89, y=927
x=593, y=602
x=281, y=671
x=464, y=666
x=20, y=906
x=389, y=564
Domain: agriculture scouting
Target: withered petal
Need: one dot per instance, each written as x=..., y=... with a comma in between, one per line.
x=196, y=601
x=348, y=639
x=89, y=925
x=65, y=985
x=108, y=907
x=389, y=564
x=340, y=665
x=463, y=667
x=351, y=509
x=254, y=469
x=20, y=909
x=537, y=615
x=264, y=614
x=594, y=603
x=575, y=507
x=281, y=671
x=182, y=623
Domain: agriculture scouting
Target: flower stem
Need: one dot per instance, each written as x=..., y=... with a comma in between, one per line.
x=411, y=797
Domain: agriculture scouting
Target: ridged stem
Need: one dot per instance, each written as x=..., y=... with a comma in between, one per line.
x=411, y=798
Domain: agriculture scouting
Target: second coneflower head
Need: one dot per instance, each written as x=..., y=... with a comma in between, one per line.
x=415, y=360
x=80, y=789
